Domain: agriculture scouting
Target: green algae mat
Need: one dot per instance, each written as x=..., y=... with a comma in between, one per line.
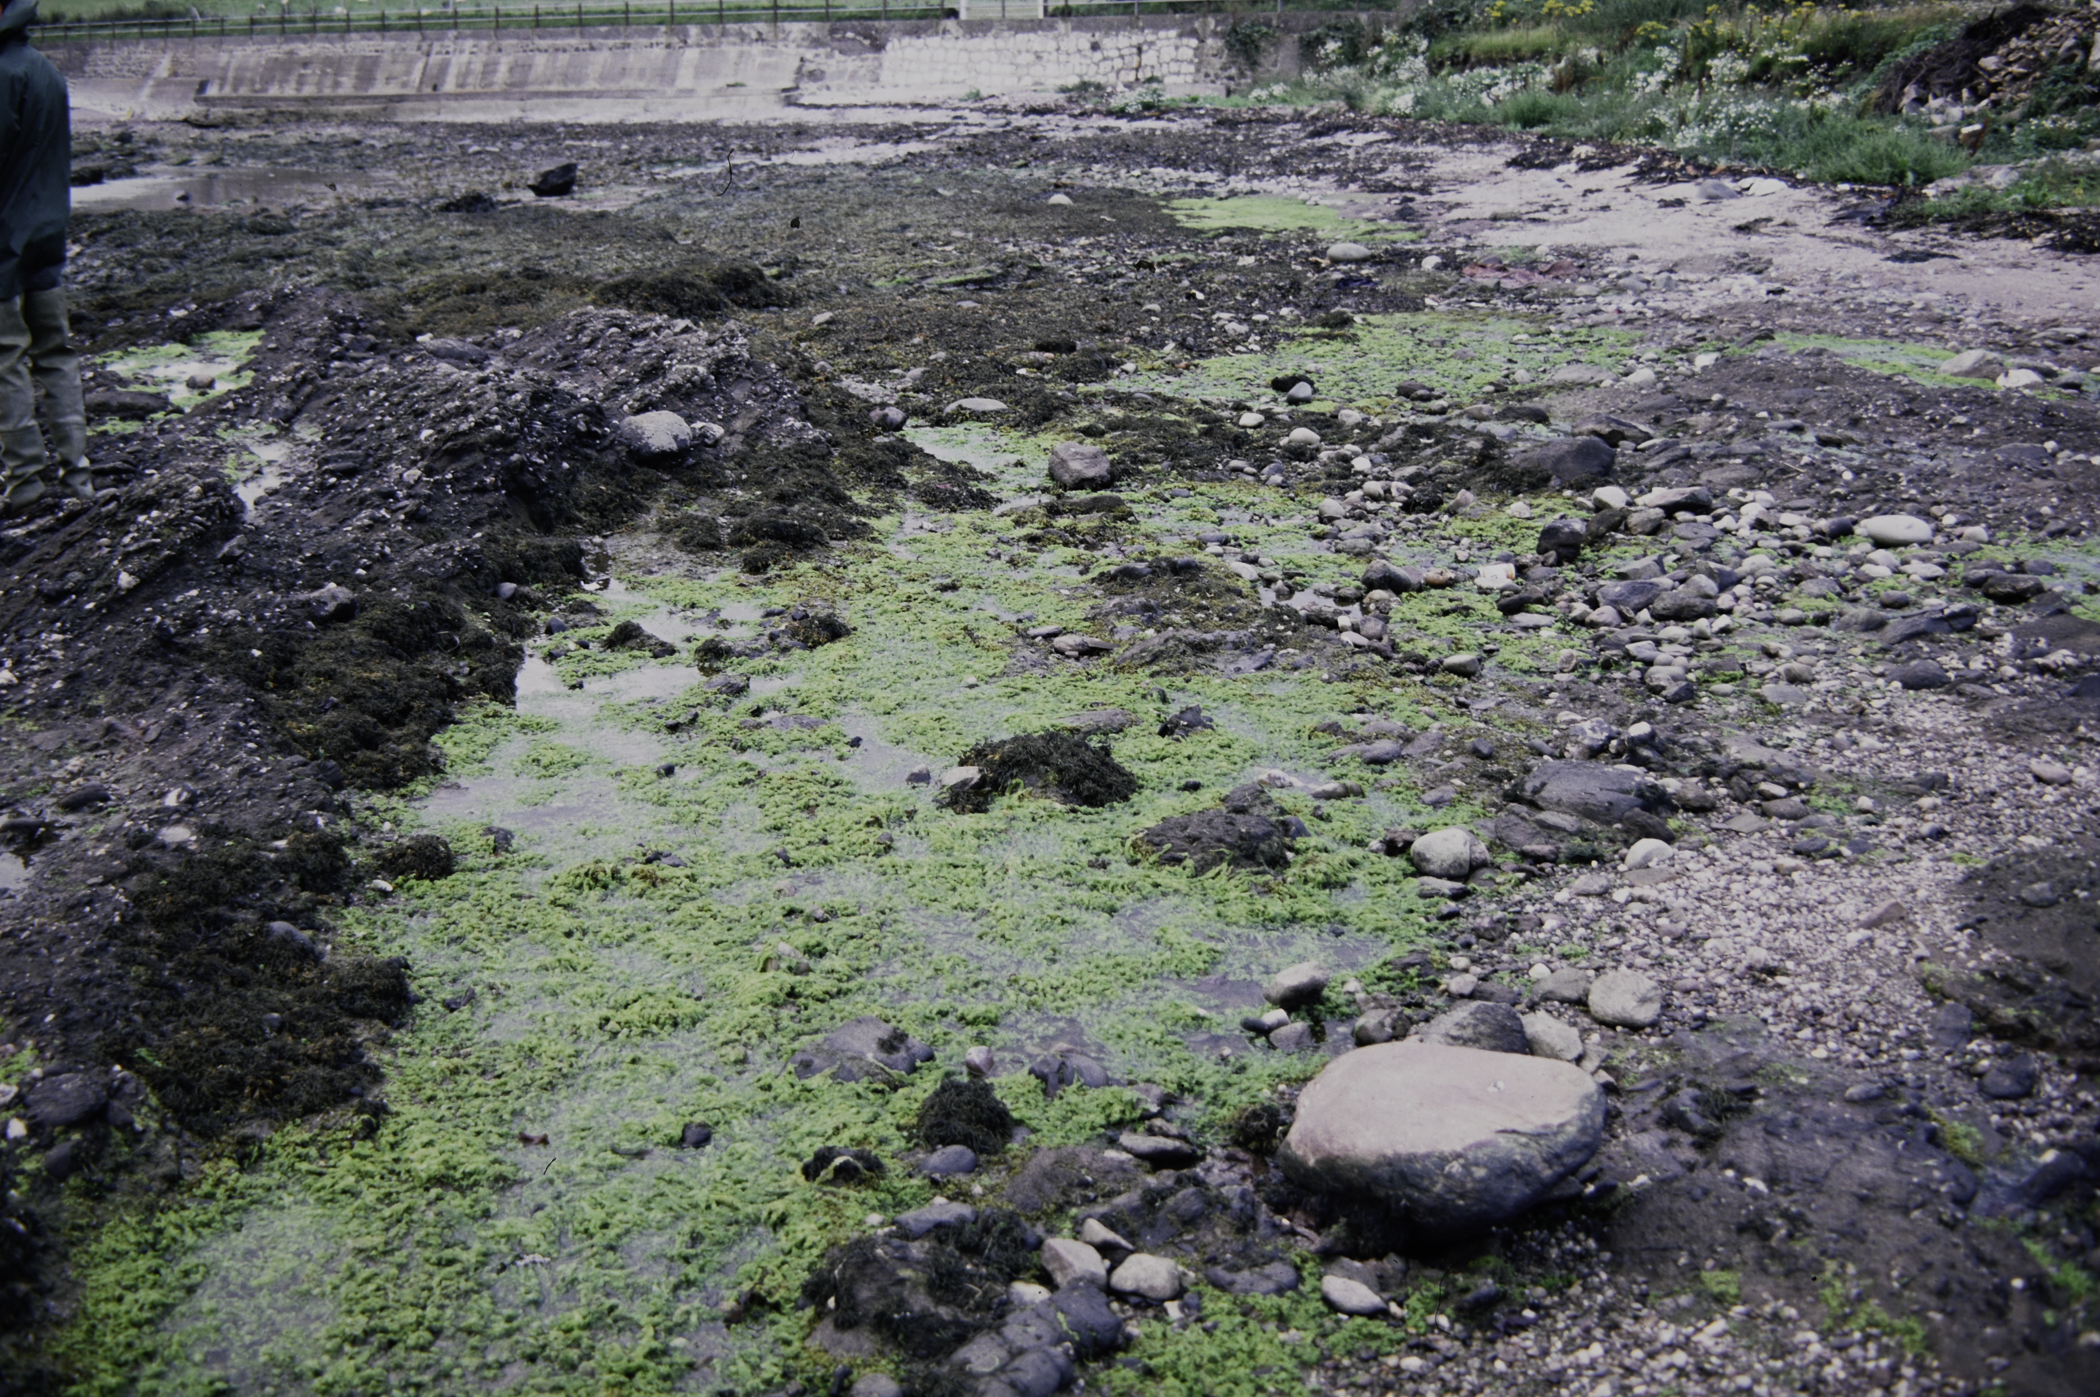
x=663, y=895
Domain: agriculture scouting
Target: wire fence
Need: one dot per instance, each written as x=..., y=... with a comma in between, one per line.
x=288, y=24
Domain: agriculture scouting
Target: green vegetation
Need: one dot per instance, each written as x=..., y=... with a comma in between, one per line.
x=522, y=1215
x=1788, y=87
x=1723, y=1287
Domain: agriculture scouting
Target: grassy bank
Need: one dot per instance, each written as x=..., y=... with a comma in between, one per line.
x=1824, y=93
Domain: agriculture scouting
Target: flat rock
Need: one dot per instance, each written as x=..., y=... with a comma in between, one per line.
x=948, y=1161
x=1973, y=363
x=1162, y=1151
x=1566, y=985
x=67, y=1098
x=1582, y=374
x=1297, y=985
x=1632, y=595
x=1591, y=790
x=862, y=1049
x=1351, y=1297
x=1275, y=1278
x=975, y=407
x=1453, y=1139
x=1921, y=674
x=1072, y=1262
x=1625, y=999
x=1895, y=529
x=1077, y=465
x=1141, y=1273
x=1494, y=1028
x=1549, y=1037
x=939, y=1213
x=1349, y=252
x=1571, y=460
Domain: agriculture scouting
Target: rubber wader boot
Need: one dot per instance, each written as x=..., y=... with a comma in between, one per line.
x=55, y=363
x=21, y=445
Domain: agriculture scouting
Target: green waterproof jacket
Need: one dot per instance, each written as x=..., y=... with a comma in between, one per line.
x=36, y=154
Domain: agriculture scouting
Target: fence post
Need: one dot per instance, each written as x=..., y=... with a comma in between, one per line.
x=535, y=16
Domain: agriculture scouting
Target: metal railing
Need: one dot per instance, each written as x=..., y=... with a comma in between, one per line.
x=656, y=14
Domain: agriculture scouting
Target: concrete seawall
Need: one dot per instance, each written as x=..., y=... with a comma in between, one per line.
x=684, y=72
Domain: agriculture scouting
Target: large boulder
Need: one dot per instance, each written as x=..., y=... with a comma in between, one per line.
x=1591, y=790
x=656, y=438
x=1453, y=1140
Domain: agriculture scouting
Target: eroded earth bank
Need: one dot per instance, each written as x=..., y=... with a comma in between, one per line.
x=989, y=751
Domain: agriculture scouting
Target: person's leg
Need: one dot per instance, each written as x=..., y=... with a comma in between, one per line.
x=55, y=363
x=21, y=445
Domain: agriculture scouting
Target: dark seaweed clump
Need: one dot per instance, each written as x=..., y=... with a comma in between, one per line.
x=965, y=1112
x=1061, y=765
x=425, y=856
x=231, y=1021
x=841, y=1164
x=1247, y=831
x=930, y=1296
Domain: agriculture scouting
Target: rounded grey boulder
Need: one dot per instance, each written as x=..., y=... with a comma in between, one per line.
x=656, y=437
x=1452, y=1139
x=1625, y=998
x=1449, y=853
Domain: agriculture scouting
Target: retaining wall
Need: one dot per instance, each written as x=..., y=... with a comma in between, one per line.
x=690, y=71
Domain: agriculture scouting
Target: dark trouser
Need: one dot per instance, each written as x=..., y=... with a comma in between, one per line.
x=37, y=351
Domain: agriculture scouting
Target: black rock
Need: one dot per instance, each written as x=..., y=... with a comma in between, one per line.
x=1631, y=596
x=1591, y=790
x=2010, y=1080
x=1921, y=674
x=1478, y=1024
x=1056, y=1071
x=557, y=183
x=696, y=1136
x=1570, y=461
x=67, y=1098
x=1276, y=1278
x=1188, y=720
x=291, y=938
x=1564, y=538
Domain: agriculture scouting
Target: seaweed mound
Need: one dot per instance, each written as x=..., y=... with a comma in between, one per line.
x=1247, y=831
x=425, y=856
x=965, y=1112
x=1061, y=765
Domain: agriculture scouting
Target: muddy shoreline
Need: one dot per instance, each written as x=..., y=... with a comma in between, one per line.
x=273, y=742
